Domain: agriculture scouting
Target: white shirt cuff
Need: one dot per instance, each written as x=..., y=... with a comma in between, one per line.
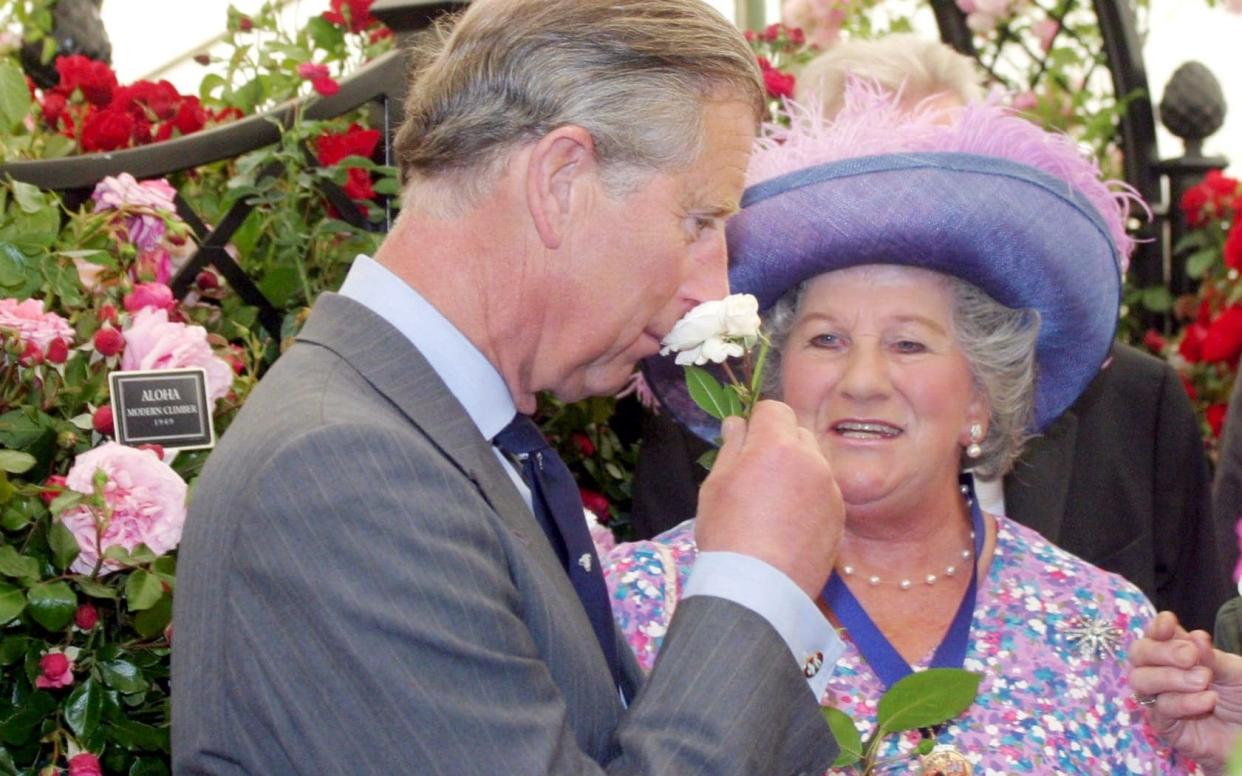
x=751, y=583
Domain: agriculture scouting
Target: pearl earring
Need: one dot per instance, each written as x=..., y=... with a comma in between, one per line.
x=973, y=450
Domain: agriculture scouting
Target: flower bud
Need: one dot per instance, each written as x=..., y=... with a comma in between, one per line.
x=584, y=445
x=159, y=451
x=107, y=314
x=109, y=341
x=207, y=280
x=203, y=59
x=56, y=670
x=85, y=764
x=53, y=486
x=57, y=351
x=67, y=439
x=597, y=503
x=103, y=421
x=31, y=355
x=86, y=617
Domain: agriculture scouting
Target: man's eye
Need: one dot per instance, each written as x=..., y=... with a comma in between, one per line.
x=705, y=223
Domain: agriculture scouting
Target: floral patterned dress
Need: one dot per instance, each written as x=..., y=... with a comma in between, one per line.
x=1048, y=702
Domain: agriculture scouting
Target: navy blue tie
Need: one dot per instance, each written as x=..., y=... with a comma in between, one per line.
x=558, y=508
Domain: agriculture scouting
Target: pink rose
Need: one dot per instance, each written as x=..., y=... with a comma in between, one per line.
x=88, y=273
x=146, y=496
x=31, y=324
x=154, y=264
x=85, y=764
x=1045, y=30
x=154, y=342
x=56, y=670
x=154, y=295
x=156, y=197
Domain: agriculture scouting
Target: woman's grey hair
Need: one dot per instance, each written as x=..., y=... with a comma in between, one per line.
x=636, y=74
x=999, y=345
x=917, y=66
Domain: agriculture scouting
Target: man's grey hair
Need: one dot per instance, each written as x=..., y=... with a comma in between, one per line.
x=916, y=66
x=636, y=74
x=999, y=345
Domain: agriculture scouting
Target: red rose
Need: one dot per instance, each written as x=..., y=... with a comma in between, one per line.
x=1193, y=200
x=378, y=34
x=191, y=117
x=1221, y=188
x=777, y=83
x=57, y=351
x=750, y=36
x=95, y=79
x=103, y=421
x=245, y=23
x=85, y=764
x=353, y=14
x=325, y=86
x=160, y=98
x=597, y=504
x=108, y=130
x=1215, y=415
x=796, y=35
x=1223, y=339
x=1154, y=341
x=586, y=448
x=53, y=486
x=236, y=356
x=86, y=616
x=53, y=106
x=771, y=32
x=56, y=671
x=107, y=314
x=1233, y=246
x=1191, y=346
x=332, y=147
x=311, y=71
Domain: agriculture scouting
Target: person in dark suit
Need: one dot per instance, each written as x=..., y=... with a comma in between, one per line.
x=381, y=571
x=1121, y=480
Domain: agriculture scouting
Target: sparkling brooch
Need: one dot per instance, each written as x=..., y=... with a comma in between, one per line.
x=1093, y=638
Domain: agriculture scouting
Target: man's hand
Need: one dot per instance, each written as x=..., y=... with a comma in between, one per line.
x=1197, y=691
x=771, y=495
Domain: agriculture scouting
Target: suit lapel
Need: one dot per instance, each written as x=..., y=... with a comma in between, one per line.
x=398, y=371
x=1036, y=489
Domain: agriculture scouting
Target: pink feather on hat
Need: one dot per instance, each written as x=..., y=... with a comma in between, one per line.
x=873, y=122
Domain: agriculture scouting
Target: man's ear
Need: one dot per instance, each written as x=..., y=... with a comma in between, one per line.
x=560, y=161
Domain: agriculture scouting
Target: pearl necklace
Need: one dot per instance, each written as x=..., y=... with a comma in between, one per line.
x=849, y=572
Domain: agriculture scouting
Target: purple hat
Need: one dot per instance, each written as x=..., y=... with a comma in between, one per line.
x=987, y=196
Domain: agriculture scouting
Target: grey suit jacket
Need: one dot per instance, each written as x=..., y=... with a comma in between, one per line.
x=362, y=590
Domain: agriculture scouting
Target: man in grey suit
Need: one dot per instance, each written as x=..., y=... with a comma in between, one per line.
x=368, y=585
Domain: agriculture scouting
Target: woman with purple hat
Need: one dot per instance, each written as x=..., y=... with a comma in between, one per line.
x=936, y=291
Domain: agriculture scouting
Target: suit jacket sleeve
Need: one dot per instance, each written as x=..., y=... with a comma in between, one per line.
x=371, y=563
x=1191, y=577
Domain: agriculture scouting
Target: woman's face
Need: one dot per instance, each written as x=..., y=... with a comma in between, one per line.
x=873, y=369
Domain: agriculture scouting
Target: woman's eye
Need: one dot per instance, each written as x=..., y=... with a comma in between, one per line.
x=825, y=341
x=909, y=346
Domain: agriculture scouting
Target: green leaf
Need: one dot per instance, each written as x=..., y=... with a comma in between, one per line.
x=151, y=622
x=19, y=275
x=15, y=461
x=20, y=429
x=64, y=545
x=708, y=459
x=14, y=96
x=7, y=766
x=711, y=396
x=123, y=676
x=84, y=707
x=95, y=589
x=142, y=590
x=14, y=564
x=1158, y=299
x=12, y=602
x=1199, y=262
x=13, y=649
x=17, y=725
x=926, y=698
x=326, y=35
x=846, y=733
x=132, y=734
x=148, y=766
x=28, y=197
x=52, y=604
x=388, y=186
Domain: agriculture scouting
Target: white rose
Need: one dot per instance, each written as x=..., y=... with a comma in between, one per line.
x=715, y=331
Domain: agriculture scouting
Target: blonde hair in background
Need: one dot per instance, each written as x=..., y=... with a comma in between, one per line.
x=917, y=67
x=634, y=73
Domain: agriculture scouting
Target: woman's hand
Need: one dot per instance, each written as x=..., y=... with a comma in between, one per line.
x=1197, y=691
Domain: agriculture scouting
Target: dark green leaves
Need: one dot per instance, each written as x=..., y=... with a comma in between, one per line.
x=84, y=708
x=52, y=604
x=12, y=602
x=64, y=546
x=142, y=590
